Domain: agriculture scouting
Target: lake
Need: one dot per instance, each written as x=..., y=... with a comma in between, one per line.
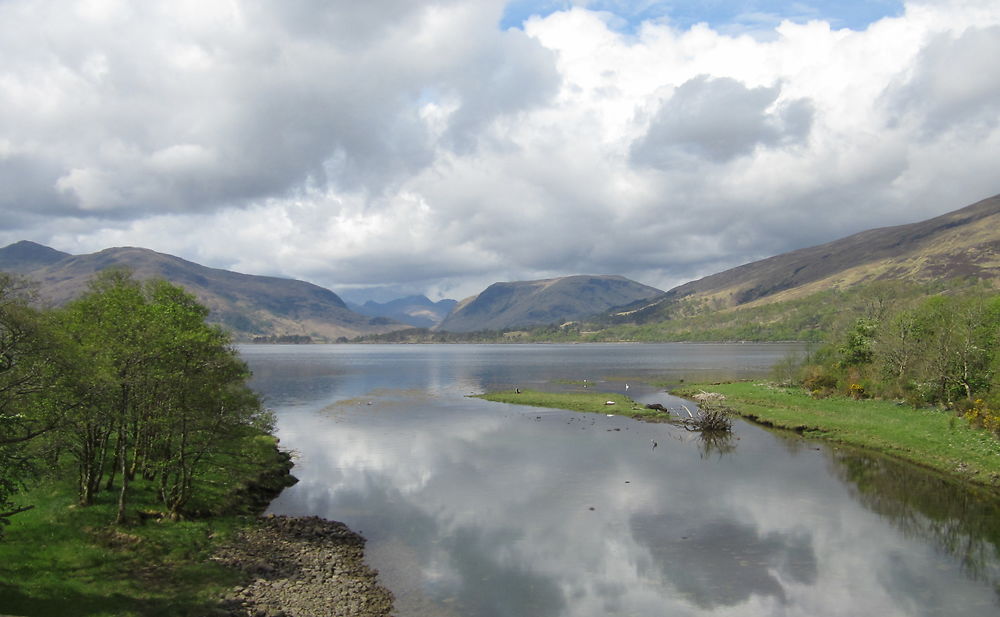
x=476, y=508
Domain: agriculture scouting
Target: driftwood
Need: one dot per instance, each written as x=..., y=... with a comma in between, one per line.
x=709, y=397
x=710, y=420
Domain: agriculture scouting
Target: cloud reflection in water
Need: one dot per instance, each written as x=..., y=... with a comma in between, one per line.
x=475, y=508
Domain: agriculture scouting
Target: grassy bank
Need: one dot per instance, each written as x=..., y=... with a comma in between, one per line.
x=61, y=559
x=587, y=402
x=935, y=439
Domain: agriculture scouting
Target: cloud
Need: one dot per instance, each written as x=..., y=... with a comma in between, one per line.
x=424, y=147
x=954, y=83
x=165, y=107
x=719, y=120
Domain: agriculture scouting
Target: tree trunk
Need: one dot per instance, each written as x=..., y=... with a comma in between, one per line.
x=122, y=495
x=123, y=455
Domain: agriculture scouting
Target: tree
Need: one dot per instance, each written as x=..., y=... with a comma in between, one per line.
x=161, y=392
x=32, y=400
x=205, y=401
x=859, y=348
x=898, y=351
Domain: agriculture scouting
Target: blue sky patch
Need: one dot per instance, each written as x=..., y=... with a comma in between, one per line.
x=723, y=15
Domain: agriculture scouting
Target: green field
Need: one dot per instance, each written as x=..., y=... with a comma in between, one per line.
x=929, y=437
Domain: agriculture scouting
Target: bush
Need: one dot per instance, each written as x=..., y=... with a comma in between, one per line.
x=982, y=415
x=816, y=377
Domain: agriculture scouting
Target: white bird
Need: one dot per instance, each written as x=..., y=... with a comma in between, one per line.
x=626, y=386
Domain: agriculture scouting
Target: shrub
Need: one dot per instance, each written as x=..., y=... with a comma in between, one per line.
x=980, y=414
x=856, y=391
x=816, y=377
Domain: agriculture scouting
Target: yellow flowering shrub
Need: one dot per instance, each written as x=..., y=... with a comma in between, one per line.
x=856, y=391
x=980, y=414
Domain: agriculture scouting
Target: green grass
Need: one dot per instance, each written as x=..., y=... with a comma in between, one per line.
x=929, y=437
x=60, y=559
x=587, y=402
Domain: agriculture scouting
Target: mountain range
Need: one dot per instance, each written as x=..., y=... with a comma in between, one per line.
x=262, y=306
x=962, y=243
x=548, y=301
x=249, y=305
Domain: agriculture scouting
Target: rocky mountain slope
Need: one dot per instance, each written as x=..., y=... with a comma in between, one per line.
x=24, y=256
x=249, y=305
x=963, y=243
x=533, y=303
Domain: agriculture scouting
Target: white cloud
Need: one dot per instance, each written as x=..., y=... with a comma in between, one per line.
x=418, y=145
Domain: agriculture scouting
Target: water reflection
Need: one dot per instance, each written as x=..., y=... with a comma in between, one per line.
x=716, y=443
x=726, y=562
x=476, y=508
x=961, y=520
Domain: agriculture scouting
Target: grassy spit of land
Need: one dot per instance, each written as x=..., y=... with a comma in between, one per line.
x=929, y=437
x=587, y=402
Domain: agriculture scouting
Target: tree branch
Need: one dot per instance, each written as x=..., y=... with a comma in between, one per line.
x=13, y=512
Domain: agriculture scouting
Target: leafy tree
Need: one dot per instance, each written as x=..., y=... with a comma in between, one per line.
x=162, y=389
x=32, y=399
x=960, y=336
x=859, y=348
x=937, y=349
x=205, y=401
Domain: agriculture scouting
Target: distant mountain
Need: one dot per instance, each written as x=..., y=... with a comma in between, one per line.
x=249, y=305
x=533, y=303
x=963, y=243
x=24, y=256
x=418, y=311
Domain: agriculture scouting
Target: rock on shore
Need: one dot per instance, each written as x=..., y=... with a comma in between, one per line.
x=302, y=567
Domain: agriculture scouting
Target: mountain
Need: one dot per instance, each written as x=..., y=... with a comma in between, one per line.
x=533, y=303
x=24, y=256
x=418, y=311
x=249, y=305
x=963, y=243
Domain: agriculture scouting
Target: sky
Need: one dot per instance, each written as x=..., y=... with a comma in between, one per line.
x=390, y=147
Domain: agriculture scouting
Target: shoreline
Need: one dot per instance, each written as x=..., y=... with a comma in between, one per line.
x=302, y=567
x=932, y=439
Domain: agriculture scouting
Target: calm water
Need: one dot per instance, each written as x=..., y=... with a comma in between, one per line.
x=481, y=509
